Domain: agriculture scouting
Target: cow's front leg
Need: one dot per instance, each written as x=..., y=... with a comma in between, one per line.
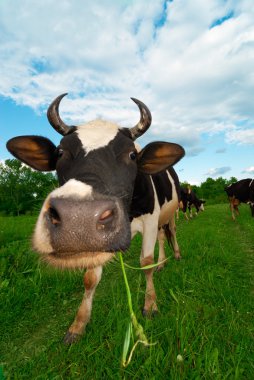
x=232, y=209
x=147, y=258
x=91, y=280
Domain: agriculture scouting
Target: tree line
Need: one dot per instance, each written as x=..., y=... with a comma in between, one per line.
x=212, y=190
x=23, y=190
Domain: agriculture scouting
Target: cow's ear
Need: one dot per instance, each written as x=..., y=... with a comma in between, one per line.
x=35, y=151
x=157, y=156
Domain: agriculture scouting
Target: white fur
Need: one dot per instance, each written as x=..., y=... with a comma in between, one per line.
x=73, y=188
x=169, y=207
x=147, y=225
x=83, y=260
x=41, y=238
x=201, y=208
x=96, y=134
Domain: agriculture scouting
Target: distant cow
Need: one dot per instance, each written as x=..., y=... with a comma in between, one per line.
x=241, y=191
x=108, y=191
x=188, y=199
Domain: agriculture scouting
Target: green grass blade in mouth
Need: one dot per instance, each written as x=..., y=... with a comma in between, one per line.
x=138, y=329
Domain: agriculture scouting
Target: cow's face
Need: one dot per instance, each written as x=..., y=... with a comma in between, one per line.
x=201, y=205
x=84, y=221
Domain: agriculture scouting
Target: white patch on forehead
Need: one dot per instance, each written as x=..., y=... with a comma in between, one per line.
x=73, y=188
x=96, y=134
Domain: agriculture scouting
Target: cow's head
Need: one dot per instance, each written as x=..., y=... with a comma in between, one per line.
x=201, y=204
x=86, y=219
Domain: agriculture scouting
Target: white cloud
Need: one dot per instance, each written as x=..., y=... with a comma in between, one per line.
x=245, y=136
x=215, y=172
x=195, y=76
x=249, y=170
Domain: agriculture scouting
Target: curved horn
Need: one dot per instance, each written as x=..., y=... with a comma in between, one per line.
x=54, y=118
x=144, y=122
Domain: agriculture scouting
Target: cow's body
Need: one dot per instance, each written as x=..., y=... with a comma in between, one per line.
x=241, y=192
x=108, y=191
x=188, y=200
x=154, y=203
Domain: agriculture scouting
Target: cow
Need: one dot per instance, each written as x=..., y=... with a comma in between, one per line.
x=108, y=190
x=188, y=199
x=240, y=192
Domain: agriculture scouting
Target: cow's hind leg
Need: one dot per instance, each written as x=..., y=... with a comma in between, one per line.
x=170, y=231
x=91, y=279
x=177, y=214
x=162, y=256
x=234, y=203
x=236, y=209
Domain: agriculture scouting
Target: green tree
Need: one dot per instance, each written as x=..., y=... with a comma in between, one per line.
x=21, y=188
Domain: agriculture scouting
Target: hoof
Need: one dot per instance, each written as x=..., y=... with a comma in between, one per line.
x=149, y=313
x=159, y=268
x=178, y=257
x=71, y=338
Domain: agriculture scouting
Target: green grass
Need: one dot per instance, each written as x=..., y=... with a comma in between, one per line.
x=206, y=304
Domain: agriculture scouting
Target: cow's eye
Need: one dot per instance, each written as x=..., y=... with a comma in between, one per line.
x=133, y=155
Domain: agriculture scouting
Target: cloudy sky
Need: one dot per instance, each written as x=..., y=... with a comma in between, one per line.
x=190, y=61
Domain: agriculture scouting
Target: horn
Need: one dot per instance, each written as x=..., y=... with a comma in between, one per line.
x=144, y=122
x=54, y=118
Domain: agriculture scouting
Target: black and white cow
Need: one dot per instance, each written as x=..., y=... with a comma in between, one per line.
x=108, y=191
x=188, y=199
x=241, y=191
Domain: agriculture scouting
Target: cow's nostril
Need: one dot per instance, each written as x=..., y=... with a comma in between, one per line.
x=105, y=220
x=53, y=216
x=106, y=215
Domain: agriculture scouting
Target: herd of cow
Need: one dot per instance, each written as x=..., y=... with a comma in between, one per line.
x=109, y=189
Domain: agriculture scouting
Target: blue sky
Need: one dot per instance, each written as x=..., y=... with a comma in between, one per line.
x=190, y=61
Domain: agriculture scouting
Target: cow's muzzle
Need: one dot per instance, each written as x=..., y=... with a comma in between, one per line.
x=75, y=226
x=68, y=227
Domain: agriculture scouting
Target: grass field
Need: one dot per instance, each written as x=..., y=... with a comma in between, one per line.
x=206, y=304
